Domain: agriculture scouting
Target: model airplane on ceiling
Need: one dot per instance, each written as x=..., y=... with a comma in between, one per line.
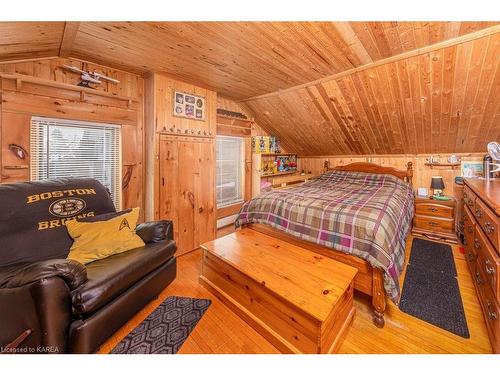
x=88, y=77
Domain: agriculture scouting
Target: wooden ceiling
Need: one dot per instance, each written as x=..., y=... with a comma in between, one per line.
x=325, y=88
x=237, y=59
x=446, y=100
x=28, y=40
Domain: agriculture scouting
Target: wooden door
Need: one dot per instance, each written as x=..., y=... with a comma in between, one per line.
x=187, y=190
x=205, y=204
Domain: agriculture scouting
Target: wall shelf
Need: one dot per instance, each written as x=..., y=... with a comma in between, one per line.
x=278, y=174
x=276, y=154
x=21, y=78
x=234, y=118
x=453, y=165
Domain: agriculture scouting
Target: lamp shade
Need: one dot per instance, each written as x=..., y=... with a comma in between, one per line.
x=437, y=183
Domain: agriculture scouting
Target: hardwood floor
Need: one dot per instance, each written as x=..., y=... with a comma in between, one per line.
x=222, y=331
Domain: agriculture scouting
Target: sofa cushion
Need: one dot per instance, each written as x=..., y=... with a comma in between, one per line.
x=105, y=237
x=109, y=277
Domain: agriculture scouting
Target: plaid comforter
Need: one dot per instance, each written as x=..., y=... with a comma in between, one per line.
x=363, y=214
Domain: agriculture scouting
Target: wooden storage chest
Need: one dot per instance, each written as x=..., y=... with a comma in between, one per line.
x=300, y=301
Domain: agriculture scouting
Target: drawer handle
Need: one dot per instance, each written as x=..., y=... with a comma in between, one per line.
x=489, y=228
x=479, y=214
x=479, y=281
x=489, y=270
x=434, y=209
x=433, y=224
x=470, y=229
x=471, y=257
x=477, y=245
x=492, y=315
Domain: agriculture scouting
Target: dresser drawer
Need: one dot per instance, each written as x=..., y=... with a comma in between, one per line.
x=434, y=209
x=469, y=198
x=487, y=261
x=491, y=310
x=469, y=229
x=434, y=224
x=488, y=221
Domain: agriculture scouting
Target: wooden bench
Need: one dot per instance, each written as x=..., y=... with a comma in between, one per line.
x=300, y=301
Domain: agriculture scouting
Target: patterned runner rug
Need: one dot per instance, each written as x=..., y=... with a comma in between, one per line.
x=165, y=329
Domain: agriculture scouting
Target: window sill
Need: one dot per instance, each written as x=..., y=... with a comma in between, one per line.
x=229, y=210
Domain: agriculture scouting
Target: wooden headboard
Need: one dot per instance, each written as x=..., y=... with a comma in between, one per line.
x=374, y=168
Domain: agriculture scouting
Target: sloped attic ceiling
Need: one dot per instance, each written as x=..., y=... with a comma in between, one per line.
x=447, y=100
x=375, y=87
x=237, y=59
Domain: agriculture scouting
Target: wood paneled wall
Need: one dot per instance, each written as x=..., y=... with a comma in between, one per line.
x=130, y=85
x=42, y=88
x=167, y=123
x=441, y=99
x=180, y=162
x=159, y=120
x=421, y=173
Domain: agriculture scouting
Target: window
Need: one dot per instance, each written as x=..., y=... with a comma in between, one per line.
x=63, y=148
x=230, y=171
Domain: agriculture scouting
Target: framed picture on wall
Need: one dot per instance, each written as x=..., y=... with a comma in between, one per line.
x=189, y=106
x=472, y=168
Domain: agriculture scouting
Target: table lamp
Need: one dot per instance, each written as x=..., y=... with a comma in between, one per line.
x=438, y=185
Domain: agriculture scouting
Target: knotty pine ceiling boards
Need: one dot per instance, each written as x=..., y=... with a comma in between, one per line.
x=324, y=88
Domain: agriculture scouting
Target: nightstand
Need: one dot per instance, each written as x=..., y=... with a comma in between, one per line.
x=435, y=219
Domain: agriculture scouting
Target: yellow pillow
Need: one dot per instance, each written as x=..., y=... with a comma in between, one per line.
x=101, y=239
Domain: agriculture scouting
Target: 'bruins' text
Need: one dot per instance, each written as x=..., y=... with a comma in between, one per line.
x=49, y=224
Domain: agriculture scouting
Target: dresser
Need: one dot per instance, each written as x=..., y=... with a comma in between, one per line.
x=481, y=219
x=435, y=219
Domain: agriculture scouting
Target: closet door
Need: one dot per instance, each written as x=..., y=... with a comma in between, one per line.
x=205, y=203
x=168, y=183
x=187, y=190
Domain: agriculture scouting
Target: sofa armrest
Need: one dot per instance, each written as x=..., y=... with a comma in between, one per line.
x=72, y=272
x=156, y=231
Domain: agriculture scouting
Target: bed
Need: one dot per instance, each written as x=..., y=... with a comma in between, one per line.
x=359, y=214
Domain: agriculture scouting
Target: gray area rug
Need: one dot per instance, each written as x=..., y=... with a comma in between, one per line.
x=165, y=329
x=430, y=290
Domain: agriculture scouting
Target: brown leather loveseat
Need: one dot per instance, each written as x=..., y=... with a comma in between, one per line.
x=69, y=307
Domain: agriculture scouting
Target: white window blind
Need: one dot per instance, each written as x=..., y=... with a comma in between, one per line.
x=65, y=148
x=230, y=170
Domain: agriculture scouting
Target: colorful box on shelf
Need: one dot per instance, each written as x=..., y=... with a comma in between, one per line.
x=264, y=144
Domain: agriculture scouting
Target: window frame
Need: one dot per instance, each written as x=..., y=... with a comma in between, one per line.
x=241, y=141
x=38, y=121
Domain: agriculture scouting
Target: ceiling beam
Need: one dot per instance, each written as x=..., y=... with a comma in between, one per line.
x=420, y=51
x=30, y=59
x=68, y=38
